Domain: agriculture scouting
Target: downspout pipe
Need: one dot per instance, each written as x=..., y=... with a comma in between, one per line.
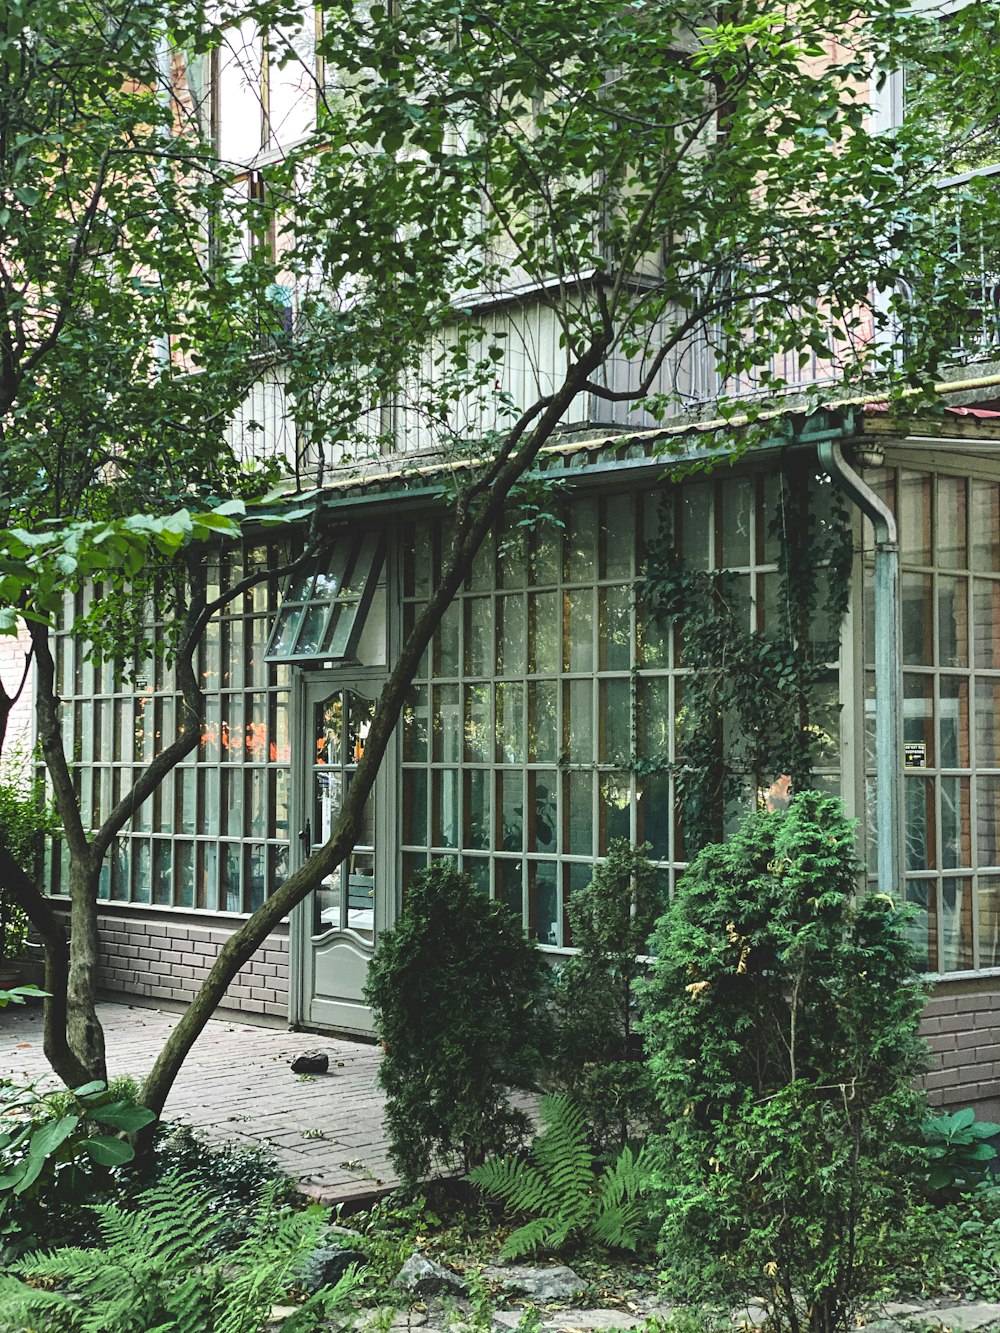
x=888, y=672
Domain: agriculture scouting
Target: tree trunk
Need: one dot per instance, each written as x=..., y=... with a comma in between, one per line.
x=83, y=1027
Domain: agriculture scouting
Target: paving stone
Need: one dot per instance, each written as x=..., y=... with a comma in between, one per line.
x=580, y=1321
x=422, y=1275
x=235, y=1086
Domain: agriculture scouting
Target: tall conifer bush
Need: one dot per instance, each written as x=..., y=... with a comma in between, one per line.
x=456, y=990
x=781, y=1022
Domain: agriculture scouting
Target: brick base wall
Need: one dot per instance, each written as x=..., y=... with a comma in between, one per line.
x=962, y=1027
x=166, y=955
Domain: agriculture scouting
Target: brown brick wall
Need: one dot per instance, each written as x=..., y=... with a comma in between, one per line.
x=962, y=1028
x=166, y=955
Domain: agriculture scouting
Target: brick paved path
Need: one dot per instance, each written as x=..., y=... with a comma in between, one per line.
x=236, y=1085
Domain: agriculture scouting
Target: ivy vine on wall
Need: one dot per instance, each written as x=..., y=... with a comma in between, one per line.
x=750, y=698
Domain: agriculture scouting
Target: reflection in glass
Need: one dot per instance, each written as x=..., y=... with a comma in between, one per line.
x=616, y=554
x=578, y=807
x=543, y=911
x=615, y=720
x=987, y=722
x=736, y=507
x=921, y=929
x=956, y=823
x=956, y=925
x=919, y=823
x=416, y=725
x=510, y=723
x=444, y=806
x=578, y=721
x=511, y=813
x=615, y=808
x=581, y=541
x=510, y=886
x=477, y=809
x=447, y=725
x=478, y=723
x=545, y=624
x=989, y=921
x=479, y=659
x=954, y=722
x=578, y=630
x=513, y=639
x=615, y=640
x=914, y=514
x=953, y=621
x=986, y=634
x=543, y=733
x=952, y=514
x=542, y=808
x=415, y=807
x=988, y=820
x=985, y=527
x=918, y=619
x=918, y=714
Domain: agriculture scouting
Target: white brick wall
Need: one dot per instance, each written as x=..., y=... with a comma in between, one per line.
x=12, y=657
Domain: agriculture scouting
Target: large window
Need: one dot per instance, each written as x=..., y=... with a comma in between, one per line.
x=546, y=684
x=949, y=531
x=215, y=834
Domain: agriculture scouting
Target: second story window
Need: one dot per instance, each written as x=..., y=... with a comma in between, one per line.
x=264, y=89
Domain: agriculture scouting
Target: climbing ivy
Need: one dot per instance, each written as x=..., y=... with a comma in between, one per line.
x=746, y=719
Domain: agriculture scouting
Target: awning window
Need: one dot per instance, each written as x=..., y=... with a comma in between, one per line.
x=323, y=612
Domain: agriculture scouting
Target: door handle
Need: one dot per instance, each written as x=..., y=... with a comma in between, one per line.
x=305, y=837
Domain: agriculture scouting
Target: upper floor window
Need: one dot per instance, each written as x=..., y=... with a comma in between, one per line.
x=265, y=88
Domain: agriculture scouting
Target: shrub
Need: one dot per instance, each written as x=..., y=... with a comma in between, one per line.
x=25, y=818
x=59, y=1151
x=456, y=993
x=598, y=1056
x=569, y=1197
x=782, y=1030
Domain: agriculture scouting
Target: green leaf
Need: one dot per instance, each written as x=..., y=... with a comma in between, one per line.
x=124, y=1116
x=107, y=1151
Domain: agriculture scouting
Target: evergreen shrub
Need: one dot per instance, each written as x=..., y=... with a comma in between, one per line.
x=782, y=1028
x=457, y=991
x=598, y=1057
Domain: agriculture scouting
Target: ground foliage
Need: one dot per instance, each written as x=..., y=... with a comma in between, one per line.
x=456, y=990
x=752, y=708
x=781, y=1024
x=598, y=1057
x=567, y=1196
x=156, y=1268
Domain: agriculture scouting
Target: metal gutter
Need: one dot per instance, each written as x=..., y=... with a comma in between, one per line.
x=888, y=672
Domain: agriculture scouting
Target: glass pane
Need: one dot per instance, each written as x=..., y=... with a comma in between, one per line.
x=654, y=815
x=824, y=724
x=542, y=811
x=513, y=640
x=581, y=542
x=510, y=886
x=446, y=642
x=546, y=554
x=361, y=892
x=578, y=631
x=918, y=720
x=922, y=929
x=511, y=813
x=232, y=802
x=954, y=722
x=445, y=812
x=736, y=507
x=479, y=655
x=478, y=782
x=545, y=623
x=543, y=902
x=772, y=519
x=416, y=725
x=142, y=872
x=481, y=575
x=257, y=878
x=513, y=559
x=447, y=724
x=327, y=904
x=696, y=533
x=956, y=823
x=615, y=639
x=184, y=874
x=986, y=527
x=510, y=723
x=919, y=828
x=952, y=515
x=956, y=925
x=989, y=921
x=914, y=515
x=988, y=821
x=417, y=565
x=415, y=807
x=328, y=798
x=162, y=879
x=987, y=722
x=479, y=723
x=232, y=729
x=655, y=720
x=615, y=721
x=986, y=622
x=953, y=621
x=617, y=532
x=653, y=635
x=543, y=730
x=329, y=733
x=258, y=802
x=918, y=619
x=614, y=808
x=578, y=817
x=578, y=721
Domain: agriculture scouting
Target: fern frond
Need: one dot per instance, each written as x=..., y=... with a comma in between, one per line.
x=538, y=1233
x=516, y=1184
x=563, y=1155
